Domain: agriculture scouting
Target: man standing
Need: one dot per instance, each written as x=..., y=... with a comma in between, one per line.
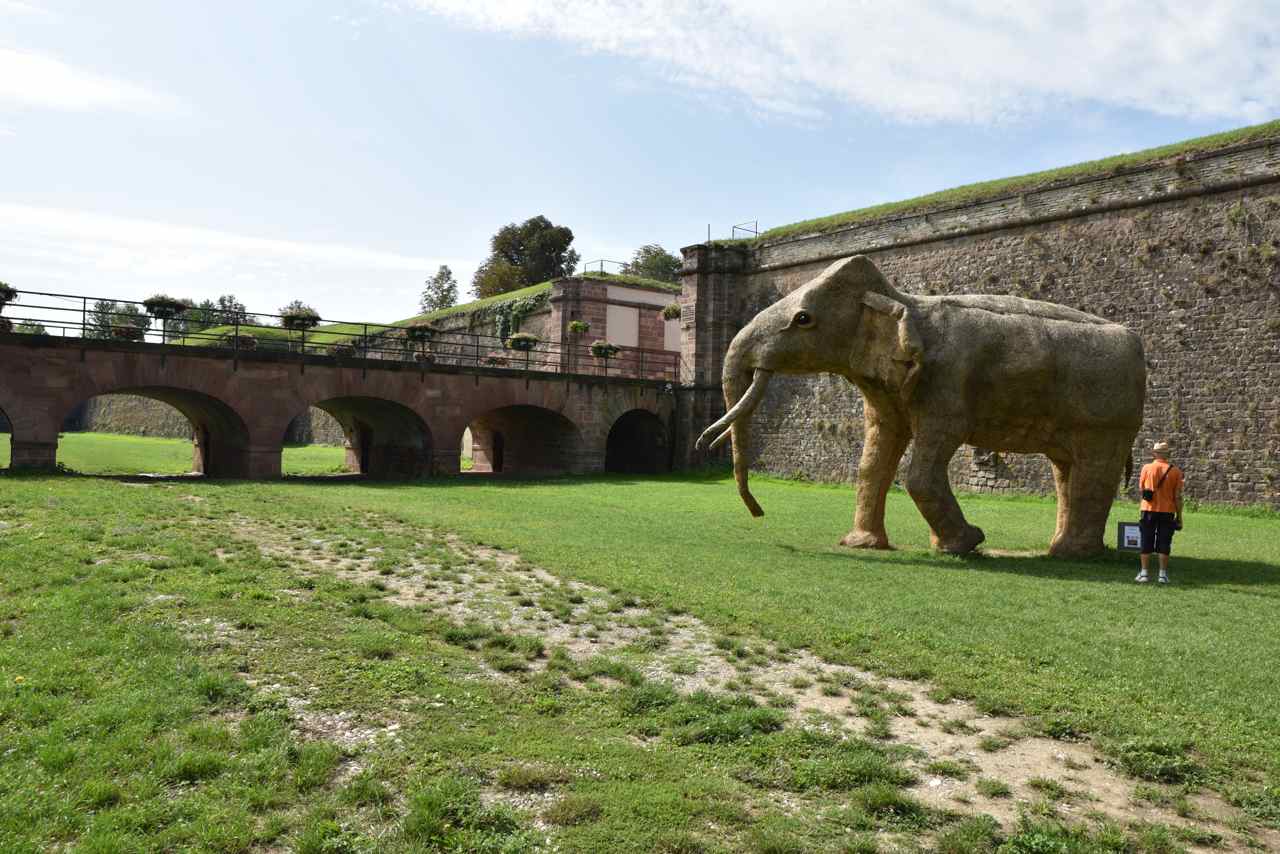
x=1161, y=486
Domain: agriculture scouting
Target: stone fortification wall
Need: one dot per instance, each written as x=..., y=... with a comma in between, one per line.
x=142, y=416
x=1186, y=252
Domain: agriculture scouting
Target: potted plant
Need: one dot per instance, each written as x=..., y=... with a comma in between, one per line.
x=299, y=318
x=671, y=312
x=420, y=332
x=579, y=327
x=163, y=306
x=523, y=342
x=604, y=350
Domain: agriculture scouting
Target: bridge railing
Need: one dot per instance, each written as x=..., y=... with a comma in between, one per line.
x=236, y=331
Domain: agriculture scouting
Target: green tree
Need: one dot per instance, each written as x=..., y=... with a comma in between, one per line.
x=107, y=315
x=653, y=262
x=497, y=276
x=538, y=248
x=31, y=327
x=441, y=291
x=226, y=311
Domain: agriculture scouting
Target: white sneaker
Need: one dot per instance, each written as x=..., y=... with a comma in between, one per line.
x=1164, y=579
x=1142, y=577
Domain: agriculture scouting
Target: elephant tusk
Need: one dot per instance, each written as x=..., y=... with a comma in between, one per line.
x=746, y=403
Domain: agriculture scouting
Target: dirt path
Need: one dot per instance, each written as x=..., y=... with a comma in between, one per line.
x=966, y=761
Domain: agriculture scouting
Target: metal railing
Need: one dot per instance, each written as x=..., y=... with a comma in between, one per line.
x=238, y=332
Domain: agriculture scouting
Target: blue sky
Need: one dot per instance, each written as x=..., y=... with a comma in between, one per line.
x=338, y=151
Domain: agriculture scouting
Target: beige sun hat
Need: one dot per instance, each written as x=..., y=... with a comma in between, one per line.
x=1160, y=449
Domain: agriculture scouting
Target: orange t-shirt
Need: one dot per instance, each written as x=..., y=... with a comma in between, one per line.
x=1166, y=497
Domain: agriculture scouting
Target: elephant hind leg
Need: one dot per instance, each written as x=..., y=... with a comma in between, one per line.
x=1095, y=474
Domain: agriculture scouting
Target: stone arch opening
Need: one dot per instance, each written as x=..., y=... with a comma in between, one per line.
x=384, y=440
x=524, y=440
x=218, y=435
x=638, y=444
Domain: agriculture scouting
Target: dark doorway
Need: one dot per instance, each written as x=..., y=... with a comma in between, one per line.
x=499, y=451
x=637, y=444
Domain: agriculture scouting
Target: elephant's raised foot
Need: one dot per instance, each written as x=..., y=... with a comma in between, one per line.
x=962, y=543
x=865, y=540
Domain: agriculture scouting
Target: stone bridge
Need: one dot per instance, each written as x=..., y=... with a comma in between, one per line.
x=401, y=420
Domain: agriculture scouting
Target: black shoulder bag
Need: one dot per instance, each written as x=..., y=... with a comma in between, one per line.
x=1148, y=494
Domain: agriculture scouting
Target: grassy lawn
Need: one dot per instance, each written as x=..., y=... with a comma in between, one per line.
x=105, y=453
x=158, y=669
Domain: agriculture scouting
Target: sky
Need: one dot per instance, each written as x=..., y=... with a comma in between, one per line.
x=339, y=151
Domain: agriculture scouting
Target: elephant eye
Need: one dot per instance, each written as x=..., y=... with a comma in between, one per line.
x=802, y=318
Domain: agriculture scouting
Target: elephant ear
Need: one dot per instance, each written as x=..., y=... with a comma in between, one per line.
x=893, y=352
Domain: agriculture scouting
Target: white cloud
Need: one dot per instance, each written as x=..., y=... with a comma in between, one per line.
x=39, y=80
x=77, y=252
x=978, y=61
x=19, y=8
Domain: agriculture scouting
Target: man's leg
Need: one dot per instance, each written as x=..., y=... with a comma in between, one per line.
x=1148, y=536
x=1164, y=544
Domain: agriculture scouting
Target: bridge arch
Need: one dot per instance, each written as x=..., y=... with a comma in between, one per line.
x=638, y=443
x=386, y=440
x=220, y=437
x=523, y=439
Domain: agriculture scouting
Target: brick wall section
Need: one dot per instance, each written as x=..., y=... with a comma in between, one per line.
x=1187, y=253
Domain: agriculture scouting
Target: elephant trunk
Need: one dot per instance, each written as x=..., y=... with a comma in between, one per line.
x=738, y=419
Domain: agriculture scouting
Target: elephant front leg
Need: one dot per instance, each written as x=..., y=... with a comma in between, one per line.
x=883, y=442
x=930, y=489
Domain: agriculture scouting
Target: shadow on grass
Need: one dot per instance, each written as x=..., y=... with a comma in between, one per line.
x=1111, y=567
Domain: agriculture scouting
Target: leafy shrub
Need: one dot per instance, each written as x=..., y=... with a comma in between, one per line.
x=8, y=294
x=671, y=312
x=579, y=327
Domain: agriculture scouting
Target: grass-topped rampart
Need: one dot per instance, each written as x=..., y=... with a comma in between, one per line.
x=983, y=190
x=342, y=333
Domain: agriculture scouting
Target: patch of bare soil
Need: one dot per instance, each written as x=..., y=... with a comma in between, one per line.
x=959, y=751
